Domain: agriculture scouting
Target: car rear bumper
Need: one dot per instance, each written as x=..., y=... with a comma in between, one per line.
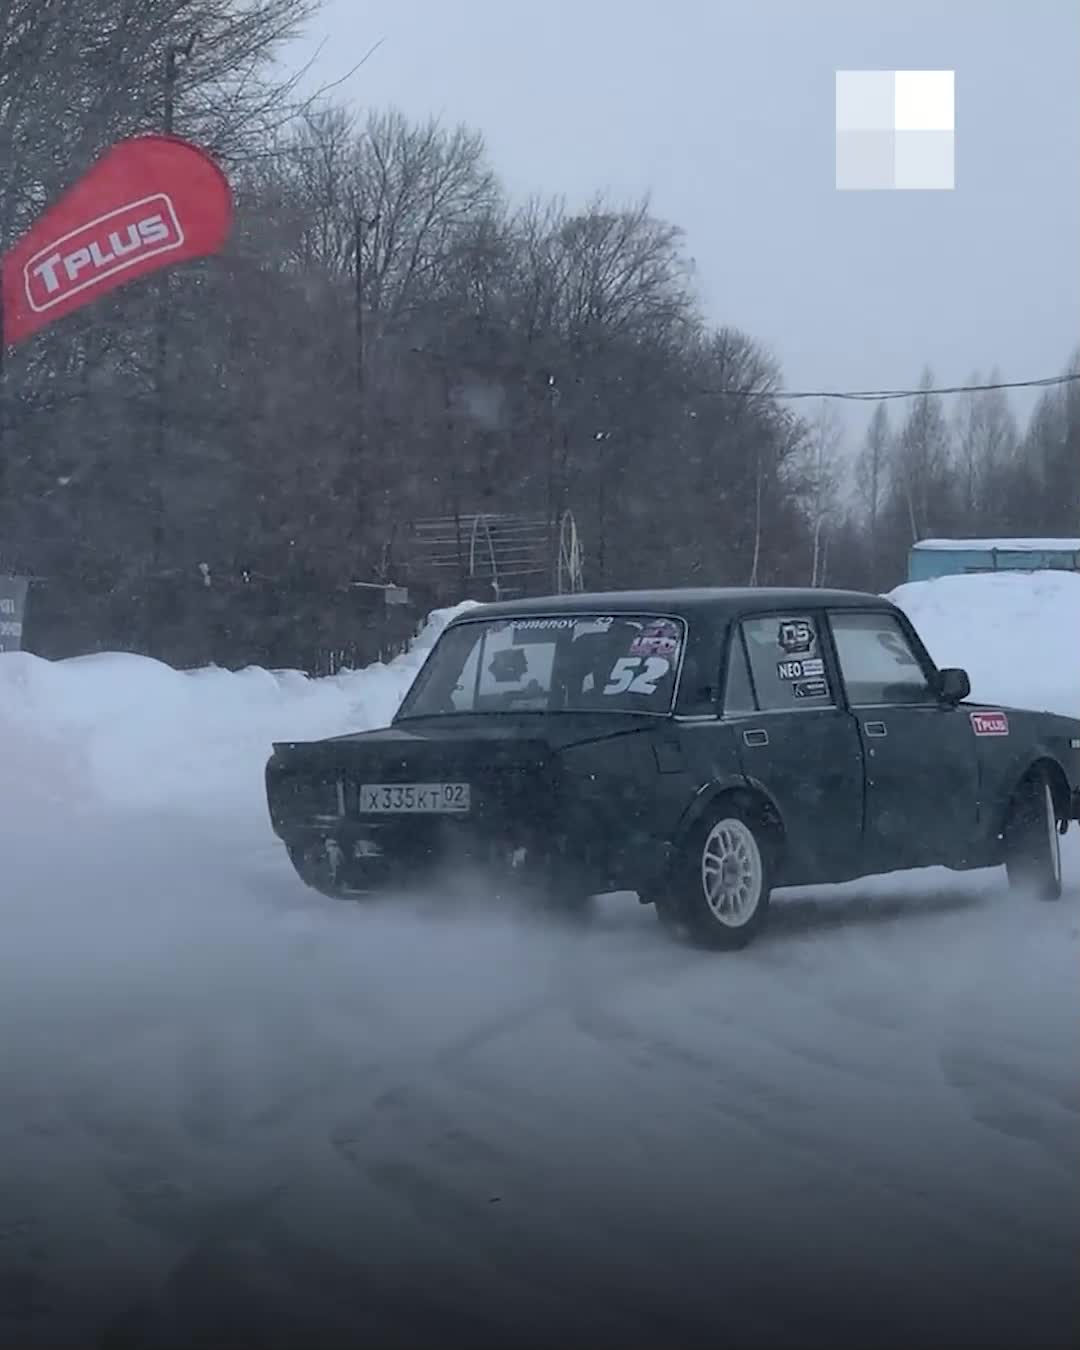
x=350, y=857
x=361, y=859
x=542, y=825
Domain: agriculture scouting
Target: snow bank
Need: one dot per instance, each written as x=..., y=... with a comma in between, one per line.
x=124, y=731
x=1016, y=634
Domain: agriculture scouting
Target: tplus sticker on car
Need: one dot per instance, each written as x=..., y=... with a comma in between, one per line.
x=811, y=689
x=799, y=670
x=795, y=636
x=659, y=637
x=989, y=724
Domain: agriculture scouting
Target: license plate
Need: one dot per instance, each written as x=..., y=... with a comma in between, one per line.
x=414, y=798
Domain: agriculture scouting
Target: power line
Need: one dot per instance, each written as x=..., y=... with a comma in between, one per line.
x=875, y=395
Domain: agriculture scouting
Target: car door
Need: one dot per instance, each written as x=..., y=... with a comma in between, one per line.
x=796, y=739
x=922, y=770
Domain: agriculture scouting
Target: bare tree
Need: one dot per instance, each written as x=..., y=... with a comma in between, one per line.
x=985, y=439
x=823, y=477
x=920, y=462
x=870, y=481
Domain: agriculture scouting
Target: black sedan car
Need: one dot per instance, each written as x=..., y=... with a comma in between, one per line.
x=697, y=747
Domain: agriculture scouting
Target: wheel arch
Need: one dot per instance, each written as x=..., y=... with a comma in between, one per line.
x=1042, y=764
x=749, y=795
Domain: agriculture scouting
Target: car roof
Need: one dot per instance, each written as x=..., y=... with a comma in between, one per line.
x=722, y=600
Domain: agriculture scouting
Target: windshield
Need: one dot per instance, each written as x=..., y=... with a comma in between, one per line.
x=572, y=663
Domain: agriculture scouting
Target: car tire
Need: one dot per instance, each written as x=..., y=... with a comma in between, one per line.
x=1032, y=841
x=719, y=896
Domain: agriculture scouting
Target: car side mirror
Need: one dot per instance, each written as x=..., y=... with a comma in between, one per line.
x=953, y=685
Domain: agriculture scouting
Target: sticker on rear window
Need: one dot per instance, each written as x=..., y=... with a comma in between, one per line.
x=541, y=625
x=659, y=637
x=811, y=689
x=989, y=724
x=795, y=636
x=798, y=670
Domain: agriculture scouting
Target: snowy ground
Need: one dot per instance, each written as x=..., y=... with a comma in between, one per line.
x=235, y=1113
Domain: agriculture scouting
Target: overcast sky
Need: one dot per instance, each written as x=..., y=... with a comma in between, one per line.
x=724, y=112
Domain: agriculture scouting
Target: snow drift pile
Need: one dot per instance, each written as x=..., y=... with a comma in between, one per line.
x=117, y=731
x=1016, y=634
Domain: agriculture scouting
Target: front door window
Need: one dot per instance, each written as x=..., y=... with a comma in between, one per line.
x=878, y=665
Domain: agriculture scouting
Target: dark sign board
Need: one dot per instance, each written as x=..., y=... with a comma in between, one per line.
x=12, y=609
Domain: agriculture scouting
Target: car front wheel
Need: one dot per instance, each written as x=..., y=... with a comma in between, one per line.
x=1032, y=842
x=720, y=893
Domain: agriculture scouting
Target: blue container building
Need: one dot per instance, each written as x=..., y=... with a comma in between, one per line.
x=954, y=557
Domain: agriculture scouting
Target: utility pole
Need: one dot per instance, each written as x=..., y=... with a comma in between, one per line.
x=174, y=51
x=3, y=382
x=361, y=225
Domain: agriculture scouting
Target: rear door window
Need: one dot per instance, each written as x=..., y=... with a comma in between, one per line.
x=786, y=662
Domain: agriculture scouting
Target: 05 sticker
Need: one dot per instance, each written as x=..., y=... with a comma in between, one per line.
x=795, y=636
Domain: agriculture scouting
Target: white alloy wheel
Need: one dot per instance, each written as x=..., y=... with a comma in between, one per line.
x=732, y=873
x=1032, y=840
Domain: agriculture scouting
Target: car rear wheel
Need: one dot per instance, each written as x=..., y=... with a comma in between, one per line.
x=1032, y=842
x=720, y=893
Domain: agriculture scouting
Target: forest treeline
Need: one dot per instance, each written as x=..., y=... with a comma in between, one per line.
x=486, y=355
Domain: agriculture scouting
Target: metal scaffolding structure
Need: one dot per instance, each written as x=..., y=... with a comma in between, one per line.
x=513, y=555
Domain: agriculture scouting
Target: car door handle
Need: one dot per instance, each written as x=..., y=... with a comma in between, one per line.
x=876, y=729
x=758, y=736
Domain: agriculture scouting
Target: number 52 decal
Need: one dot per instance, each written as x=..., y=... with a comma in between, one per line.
x=626, y=680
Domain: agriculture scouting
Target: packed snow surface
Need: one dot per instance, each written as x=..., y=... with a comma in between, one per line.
x=237, y=1113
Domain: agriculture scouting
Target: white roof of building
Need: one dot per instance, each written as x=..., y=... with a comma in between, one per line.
x=1002, y=545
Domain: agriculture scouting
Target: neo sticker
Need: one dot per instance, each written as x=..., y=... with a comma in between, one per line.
x=796, y=635
x=989, y=724
x=797, y=670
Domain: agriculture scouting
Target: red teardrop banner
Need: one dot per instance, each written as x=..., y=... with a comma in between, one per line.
x=147, y=203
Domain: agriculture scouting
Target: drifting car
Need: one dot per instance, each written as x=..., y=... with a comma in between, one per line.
x=697, y=747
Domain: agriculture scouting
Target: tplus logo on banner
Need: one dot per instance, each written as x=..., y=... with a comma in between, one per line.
x=12, y=611
x=124, y=238
x=147, y=203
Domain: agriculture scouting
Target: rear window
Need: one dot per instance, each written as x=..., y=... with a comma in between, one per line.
x=557, y=663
